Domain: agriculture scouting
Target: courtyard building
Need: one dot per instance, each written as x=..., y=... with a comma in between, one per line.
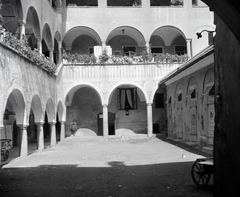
x=101, y=64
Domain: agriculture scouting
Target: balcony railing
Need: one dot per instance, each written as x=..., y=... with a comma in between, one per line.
x=117, y=72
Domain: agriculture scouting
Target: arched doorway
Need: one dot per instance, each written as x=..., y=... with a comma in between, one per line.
x=83, y=107
x=128, y=103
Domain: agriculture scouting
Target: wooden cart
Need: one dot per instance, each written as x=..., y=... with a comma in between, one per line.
x=201, y=172
x=5, y=146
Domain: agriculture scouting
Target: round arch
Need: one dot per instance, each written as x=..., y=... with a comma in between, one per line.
x=16, y=103
x=32, y=25
x=113, y=88
x=37, y=109
x=168, y=34
x=71, y=91
x=132, y=32
x=60, y=111
x=47, y=35
x=50, y=110
x=76, y=32
x=192, y=84
x=208, y=81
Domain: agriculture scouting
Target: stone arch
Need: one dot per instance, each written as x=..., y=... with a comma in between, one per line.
x=208, y=78
x=37, y=109
x=12, y=13
x=72, y=89
x=168, y=34
x=32, y=25
x=78, y=32
x=61, y=111
x=47, y=36
x=16, y=103
x=132, y=32
x=50, y=110
x=143, y=93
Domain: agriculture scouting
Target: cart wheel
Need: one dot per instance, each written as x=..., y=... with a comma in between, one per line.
x=199, y=174
x=6, y=155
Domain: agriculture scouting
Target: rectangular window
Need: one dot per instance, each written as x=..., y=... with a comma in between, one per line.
x=127, y=98
x=129, y=50
x=159, y=100
x=179, y=96
x=91, y=50
x=181, y=50
x=166, y=2
x=83, y=3
x=156, y=50
x=128, y=3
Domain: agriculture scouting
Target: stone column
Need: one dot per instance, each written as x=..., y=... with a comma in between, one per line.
x=189, y=47
x=53, y=140
x=103, y=45
x=147, y=45
x=40, y=136
x=59, y=52
x=21, y=25
x=62, y=135
x=149, y=120
x=23, y=140
x=39, y=45
x=51, y=54
x=102, y=3
x=105, y=120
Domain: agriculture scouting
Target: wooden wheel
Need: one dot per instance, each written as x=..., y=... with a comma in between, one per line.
x=200, y=174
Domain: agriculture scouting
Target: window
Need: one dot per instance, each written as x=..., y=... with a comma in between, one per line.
x=156, y=50
x=195, y=2
x=129, y=3
x=166, y=2
x=127, y=98
x=129, y=50
x=159, y=100
x=179, y=95
x=212, y=91
x=82, y=3
x=192, y=91
x=91, y=50
x=180, y=50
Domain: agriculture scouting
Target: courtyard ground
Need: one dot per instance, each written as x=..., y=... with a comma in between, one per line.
x=105, y=167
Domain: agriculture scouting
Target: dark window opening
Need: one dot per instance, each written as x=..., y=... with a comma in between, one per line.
x=170, y=100
x=156, y=50
x=159, y=100
x=91, y=50
x=127, y=98
x=179, y=97
x=129, y=3
x=166, y=2
x=129, y=50
x=82, y=3
x=180, y=50
x=195, y=2
x=212, y=91
x=193, y=94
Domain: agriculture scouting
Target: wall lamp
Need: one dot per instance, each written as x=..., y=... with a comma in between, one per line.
x=199, y=34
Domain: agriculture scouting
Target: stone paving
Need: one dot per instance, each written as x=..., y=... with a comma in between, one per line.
x=97, y=166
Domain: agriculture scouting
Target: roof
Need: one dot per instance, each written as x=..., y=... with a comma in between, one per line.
x=191, y=62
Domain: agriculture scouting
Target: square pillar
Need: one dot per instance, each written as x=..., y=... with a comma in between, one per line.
x=23, y=140
x=105, y=120
x=21, y=25
x=189, y=47
x=40, y=136
x=53, y=140
x=149, y=120
x=62, y=134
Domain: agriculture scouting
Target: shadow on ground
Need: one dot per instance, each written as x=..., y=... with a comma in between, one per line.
x=117, y=180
